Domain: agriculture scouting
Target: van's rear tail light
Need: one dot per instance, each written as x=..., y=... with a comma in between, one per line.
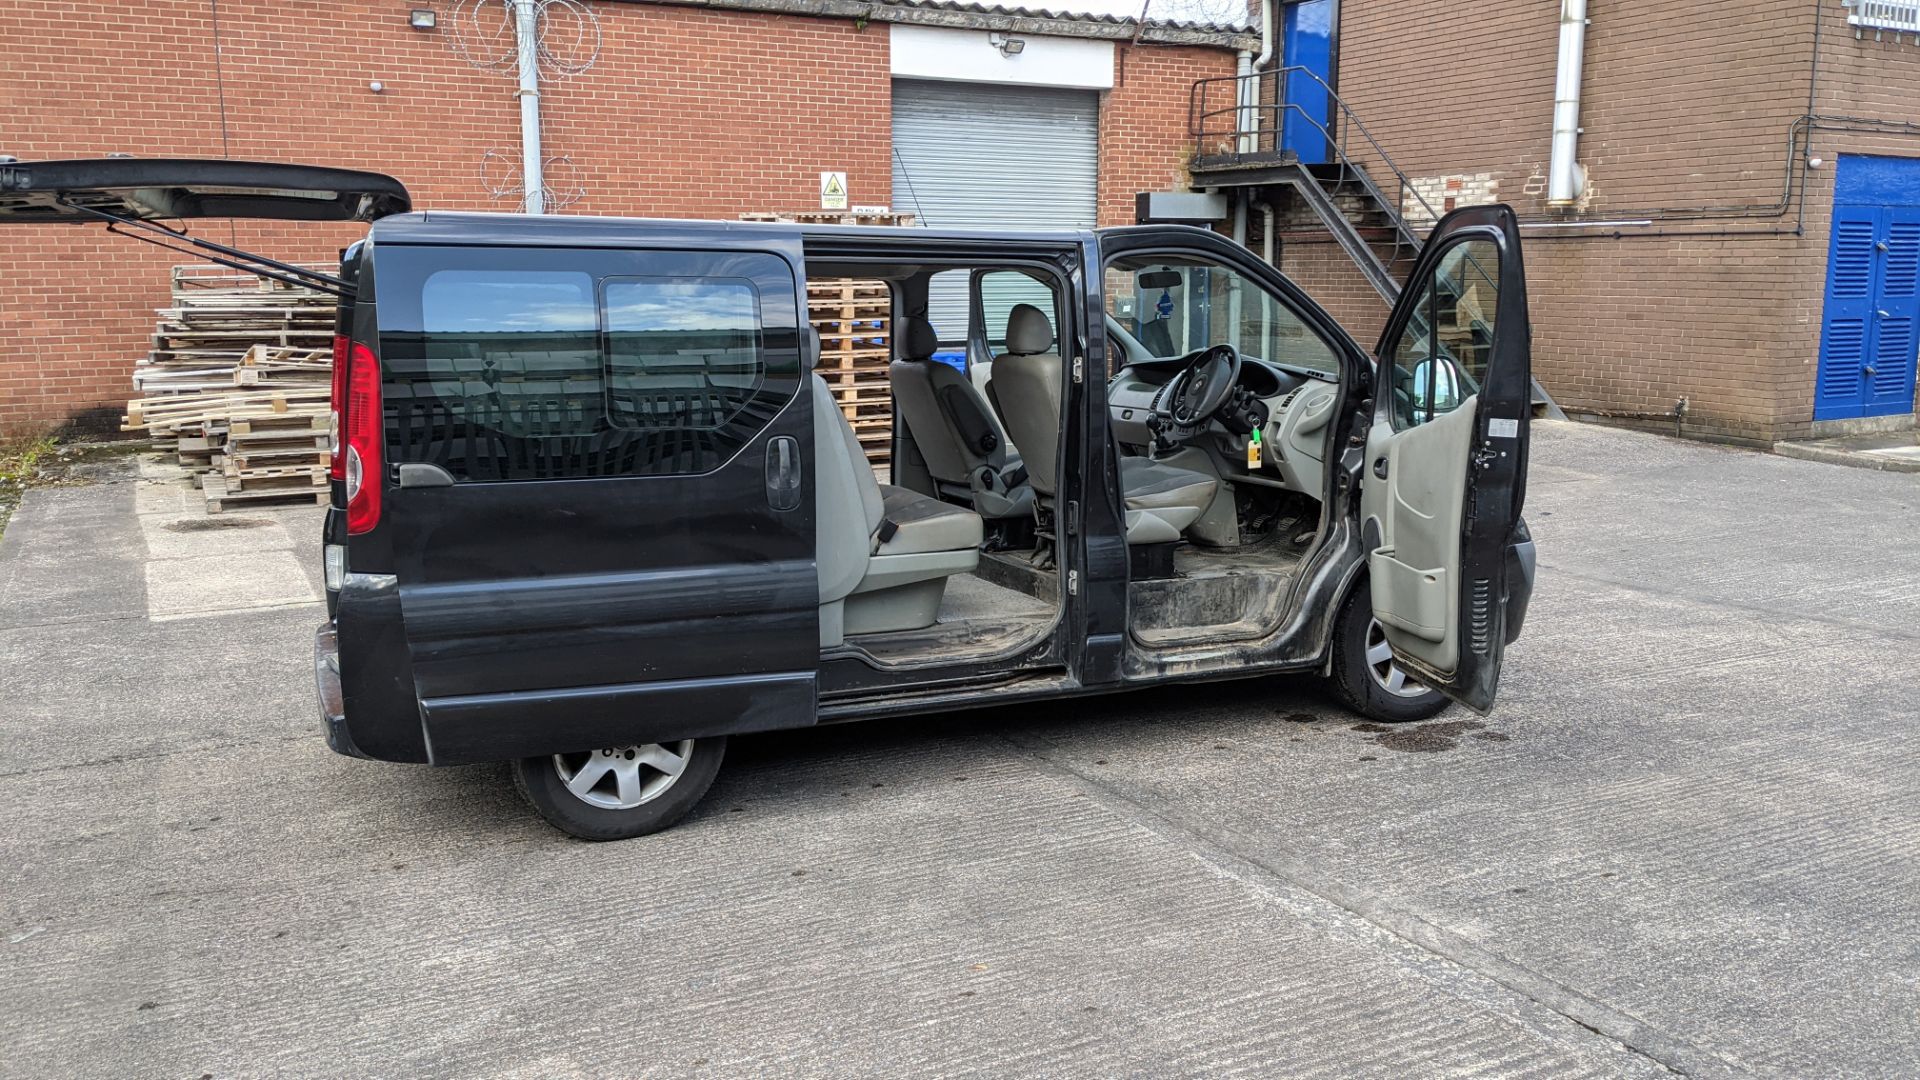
x=336, y=437
x=363, y=423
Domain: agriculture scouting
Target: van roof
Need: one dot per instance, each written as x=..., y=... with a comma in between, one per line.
x=471, y=227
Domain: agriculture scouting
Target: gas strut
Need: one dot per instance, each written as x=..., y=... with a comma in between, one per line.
x=218, y=254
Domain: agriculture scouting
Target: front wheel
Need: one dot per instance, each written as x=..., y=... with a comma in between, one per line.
x=1366, y=677
x=619, y=792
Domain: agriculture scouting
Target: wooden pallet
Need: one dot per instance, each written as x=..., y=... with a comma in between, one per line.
x=854, y=319
x=832, y=217
x=238, y=382
x=220, y=496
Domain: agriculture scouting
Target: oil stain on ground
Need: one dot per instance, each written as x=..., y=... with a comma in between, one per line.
x=1428, y=738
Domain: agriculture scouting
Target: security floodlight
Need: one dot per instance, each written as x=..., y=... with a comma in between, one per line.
x=422, y=19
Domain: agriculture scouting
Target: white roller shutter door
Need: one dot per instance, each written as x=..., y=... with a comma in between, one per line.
x=967, y=155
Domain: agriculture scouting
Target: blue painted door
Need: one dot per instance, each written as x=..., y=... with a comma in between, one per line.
x=1306, y=43
x=1870, y=331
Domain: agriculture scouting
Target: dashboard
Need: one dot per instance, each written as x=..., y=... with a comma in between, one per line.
x=1293, y=437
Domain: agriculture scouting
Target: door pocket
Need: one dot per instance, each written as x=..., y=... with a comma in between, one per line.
x=1407, y=598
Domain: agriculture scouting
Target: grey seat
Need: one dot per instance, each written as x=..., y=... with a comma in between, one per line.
x=883, y=553
x=1161, y=500
x=965, y=448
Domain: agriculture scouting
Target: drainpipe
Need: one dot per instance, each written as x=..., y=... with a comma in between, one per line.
x=1565, y=177
x=1260, y=64
x=1271, y=216
x=532, y=171
x=1244, y=98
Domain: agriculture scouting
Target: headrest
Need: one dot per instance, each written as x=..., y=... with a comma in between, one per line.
x=919, y=341
x=1028, y=330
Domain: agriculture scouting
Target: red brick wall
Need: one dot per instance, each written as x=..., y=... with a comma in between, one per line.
x=1144, y=144
x=688, y=113
x=1684, y=105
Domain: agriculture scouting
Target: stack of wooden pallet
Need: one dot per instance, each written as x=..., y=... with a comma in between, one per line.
x=854, y=319
x=237, y=386
x=835, y=217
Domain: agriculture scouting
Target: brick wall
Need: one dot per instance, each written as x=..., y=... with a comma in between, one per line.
x=1684, y=106
x=1144, y=143
x=688, y=113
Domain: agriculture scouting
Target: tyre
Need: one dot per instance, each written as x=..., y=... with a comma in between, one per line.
x=1365, y=676
x=620, y=792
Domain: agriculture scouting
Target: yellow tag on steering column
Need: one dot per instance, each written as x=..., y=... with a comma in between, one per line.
x=1253, y=449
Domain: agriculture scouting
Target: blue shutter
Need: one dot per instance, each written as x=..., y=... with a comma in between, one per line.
x=1890, y=389
x=1840, y=391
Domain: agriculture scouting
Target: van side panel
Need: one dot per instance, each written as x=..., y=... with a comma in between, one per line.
x=595, y=559
x=487, y=727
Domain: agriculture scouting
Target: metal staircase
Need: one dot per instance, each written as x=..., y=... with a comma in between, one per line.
x=1237, y=124
x=1239, y=128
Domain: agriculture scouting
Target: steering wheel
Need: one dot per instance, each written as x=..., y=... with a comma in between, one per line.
x=1205, y=385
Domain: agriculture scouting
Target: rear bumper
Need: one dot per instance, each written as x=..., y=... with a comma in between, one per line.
x=1521, y=561
x=326, y=678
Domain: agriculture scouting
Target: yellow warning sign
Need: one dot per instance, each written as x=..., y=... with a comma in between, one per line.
x=833, y=191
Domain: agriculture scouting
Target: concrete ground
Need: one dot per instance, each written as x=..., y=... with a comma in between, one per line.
x=1687, y=841
x=1894, y=451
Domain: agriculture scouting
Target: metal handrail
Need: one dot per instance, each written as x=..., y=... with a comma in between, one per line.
x=1200, y=117
x=1246, y=111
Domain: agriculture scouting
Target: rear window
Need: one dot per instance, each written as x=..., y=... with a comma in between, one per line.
x=555, y=364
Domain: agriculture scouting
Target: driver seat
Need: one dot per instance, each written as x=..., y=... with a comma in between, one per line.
x=1161, y=500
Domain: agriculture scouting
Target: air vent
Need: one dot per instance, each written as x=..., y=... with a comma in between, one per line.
x=1480, y=617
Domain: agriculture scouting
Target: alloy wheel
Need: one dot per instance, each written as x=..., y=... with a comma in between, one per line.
x=623, y=777
x=1387, y=674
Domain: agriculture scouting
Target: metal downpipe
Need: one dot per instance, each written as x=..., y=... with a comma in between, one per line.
x=1565, y=178
x=526, y=32
x=1252, y=86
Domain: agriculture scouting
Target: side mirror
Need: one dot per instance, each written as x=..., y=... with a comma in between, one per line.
x=1443, y=376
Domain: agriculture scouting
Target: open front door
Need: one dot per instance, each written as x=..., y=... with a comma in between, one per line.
x=1446, y=462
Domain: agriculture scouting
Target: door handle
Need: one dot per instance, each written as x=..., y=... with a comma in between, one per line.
x=783, y=472
x=1380, y=467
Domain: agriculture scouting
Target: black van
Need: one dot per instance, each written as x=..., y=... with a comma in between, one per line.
x=597, y=506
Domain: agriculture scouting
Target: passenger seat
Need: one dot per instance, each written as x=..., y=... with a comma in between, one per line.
x=965, y=448
x=883, y=553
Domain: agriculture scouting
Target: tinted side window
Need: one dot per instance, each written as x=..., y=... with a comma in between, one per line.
x=1442, y=355
x=520, y=364
x=681, y=353
x=518, y=354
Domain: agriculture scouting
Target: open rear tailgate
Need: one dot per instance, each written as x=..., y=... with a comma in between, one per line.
x=150, y=188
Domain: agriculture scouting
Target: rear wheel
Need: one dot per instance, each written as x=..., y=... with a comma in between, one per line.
x=1365, y=676
x=619, y=792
